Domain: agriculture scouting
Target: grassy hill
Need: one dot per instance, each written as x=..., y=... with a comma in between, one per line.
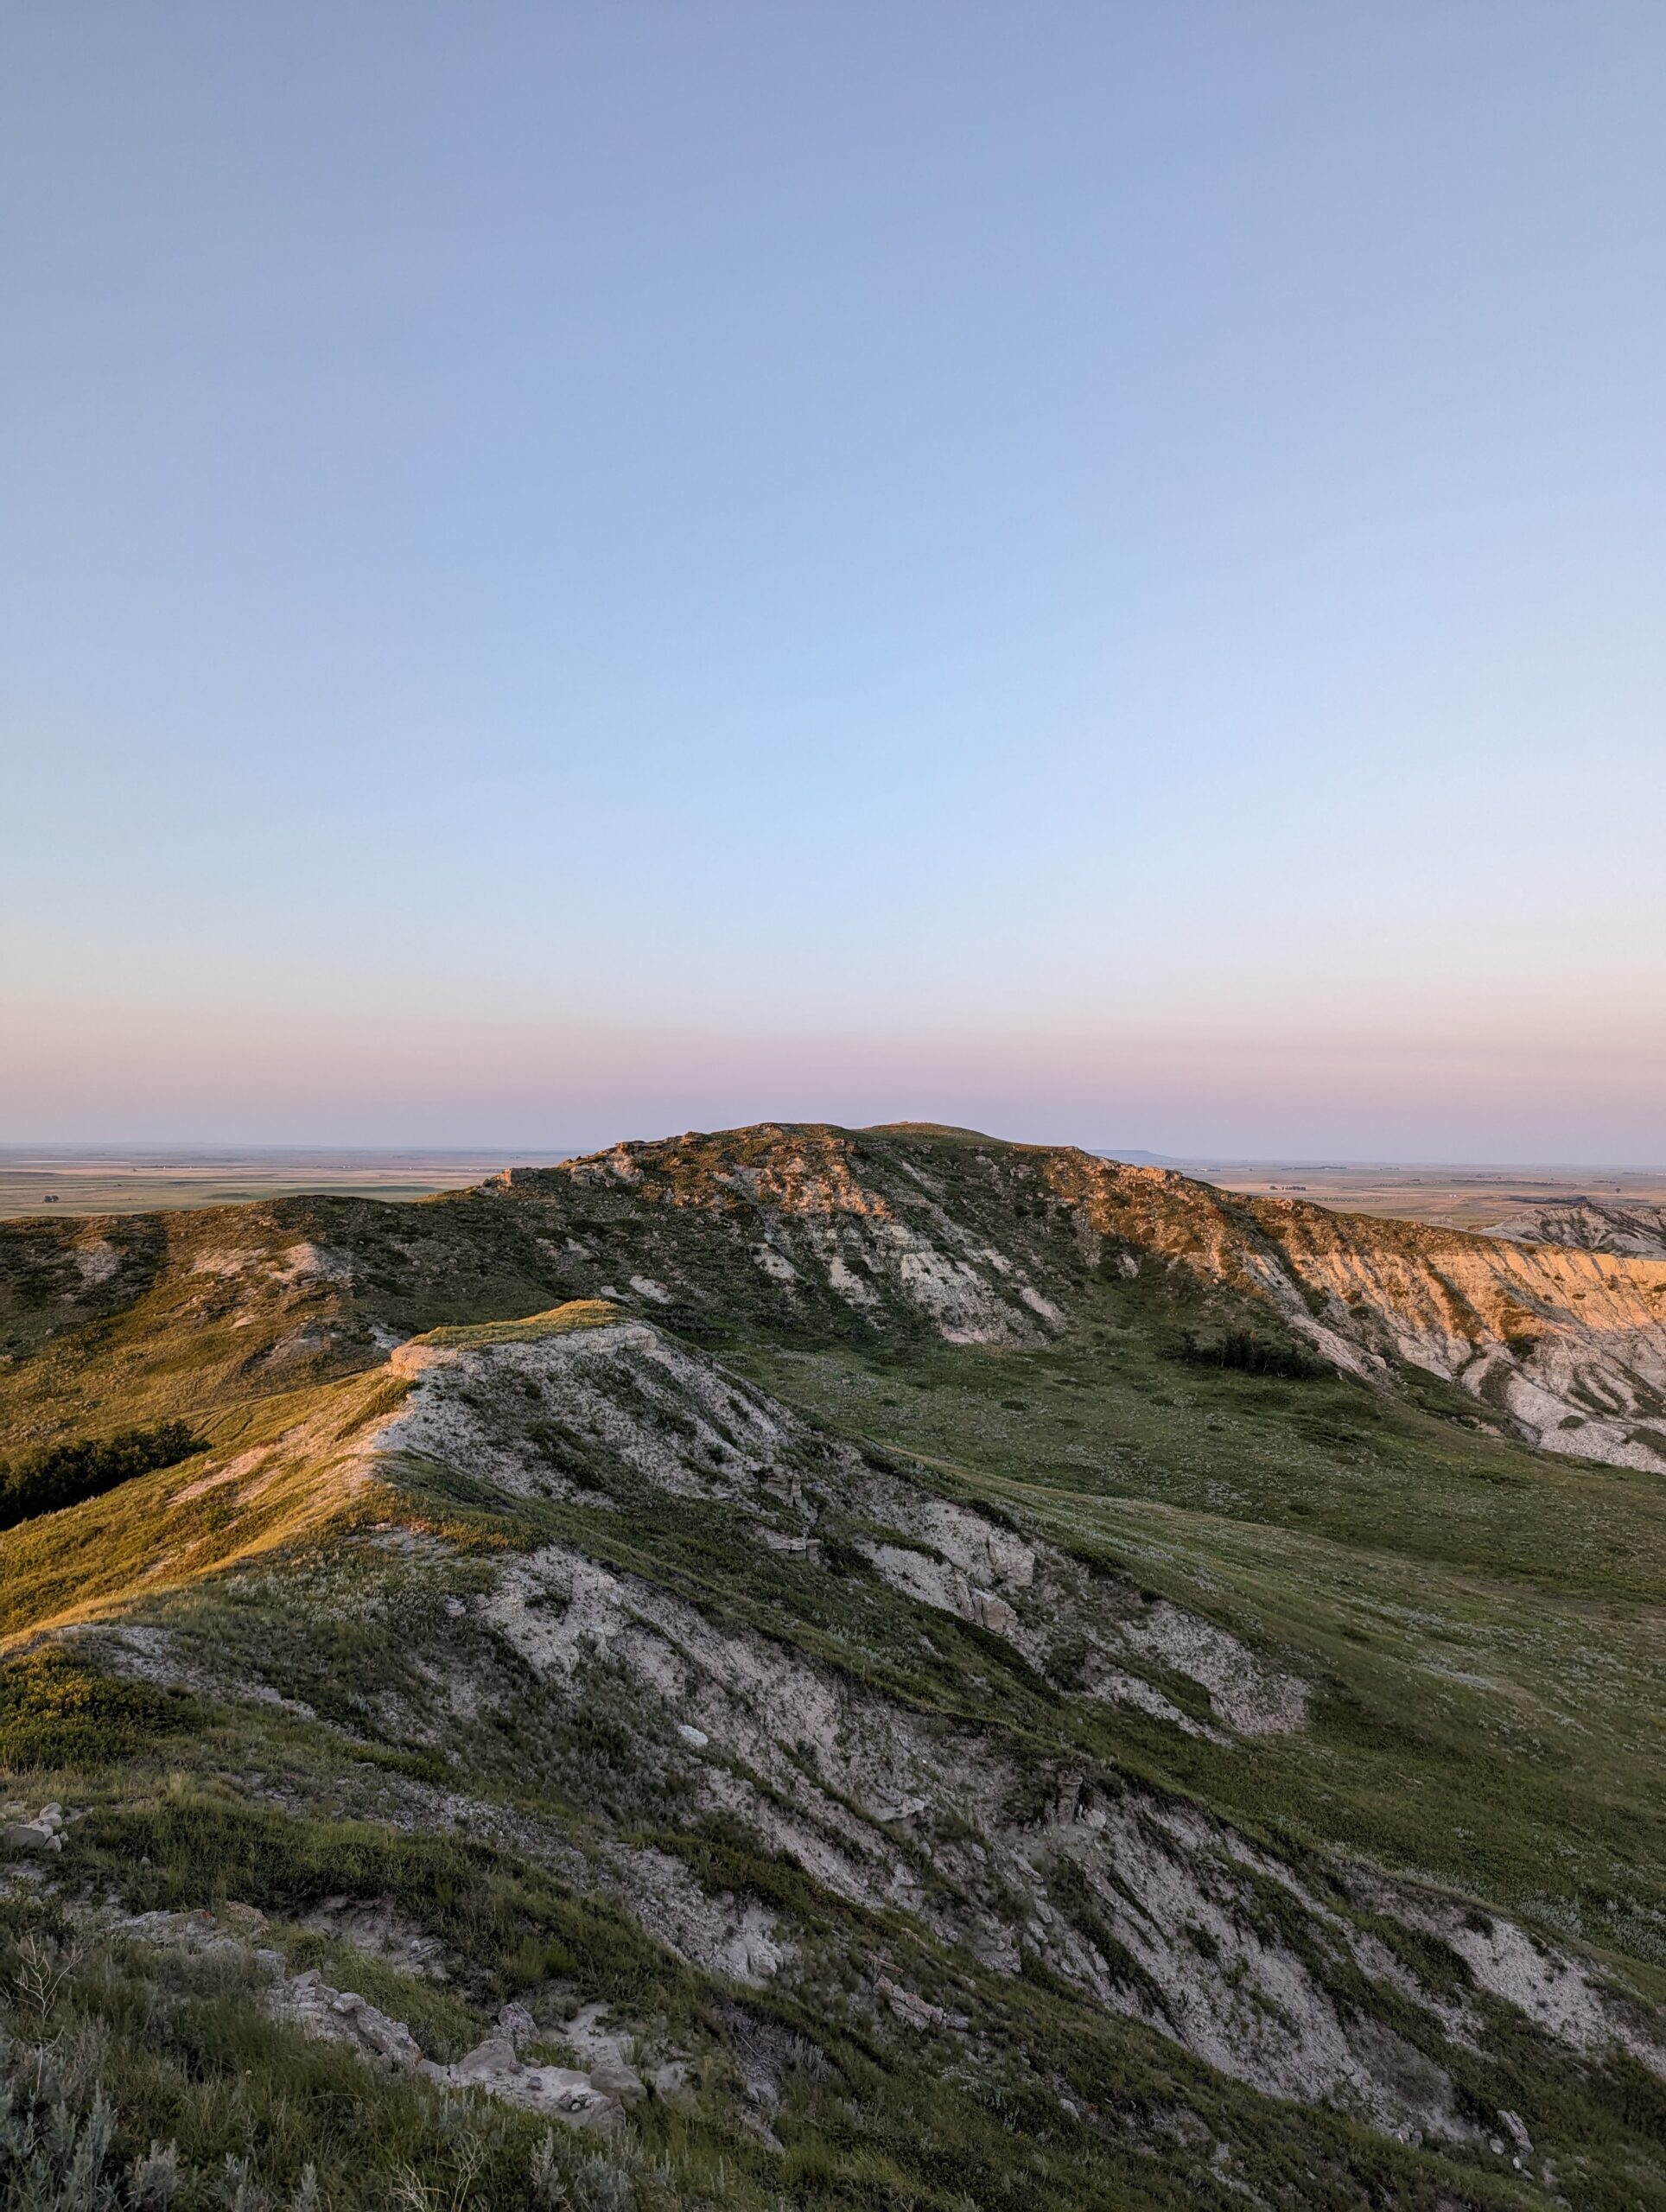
x=822, y=1667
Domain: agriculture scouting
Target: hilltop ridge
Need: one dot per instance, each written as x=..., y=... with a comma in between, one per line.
x=891, y=1234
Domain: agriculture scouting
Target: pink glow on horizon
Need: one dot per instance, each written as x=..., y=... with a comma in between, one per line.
x=388, y=1078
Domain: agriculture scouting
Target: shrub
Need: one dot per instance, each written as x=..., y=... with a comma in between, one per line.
x=1253, y=1355
x=51, y=2155
x=65, y=1474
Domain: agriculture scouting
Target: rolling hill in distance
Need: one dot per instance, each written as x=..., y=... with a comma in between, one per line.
x=813, y=1666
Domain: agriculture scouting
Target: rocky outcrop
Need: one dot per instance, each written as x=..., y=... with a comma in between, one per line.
x=579, y=1413
x=791, y=1735
x=877, y=1235
x=594, y=2099
x=1568, y=1346
x=306, y=2001
x=21, y=1831
x=1632, y=1231
x=1564, y=1346
x=982, y=1242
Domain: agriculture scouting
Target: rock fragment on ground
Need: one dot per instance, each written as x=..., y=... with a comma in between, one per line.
x=307, y=2001
x=917, y=2012
x=594, y=2099
x=21, y=1830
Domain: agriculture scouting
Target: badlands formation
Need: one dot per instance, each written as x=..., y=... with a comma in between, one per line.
x=805, y=1666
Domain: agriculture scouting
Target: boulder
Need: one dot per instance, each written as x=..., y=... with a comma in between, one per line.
x=30, y=1835
x=558, y=2091
x=617, y=2080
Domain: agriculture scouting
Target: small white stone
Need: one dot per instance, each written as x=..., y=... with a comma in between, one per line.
x=697, y=1737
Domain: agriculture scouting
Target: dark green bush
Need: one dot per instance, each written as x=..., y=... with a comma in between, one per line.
x=1253, y=1355
x=64, y=1474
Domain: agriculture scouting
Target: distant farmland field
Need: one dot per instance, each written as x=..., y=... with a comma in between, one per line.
x=45, y=1179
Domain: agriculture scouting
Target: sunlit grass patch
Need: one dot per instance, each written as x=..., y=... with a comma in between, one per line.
x=576, y=1314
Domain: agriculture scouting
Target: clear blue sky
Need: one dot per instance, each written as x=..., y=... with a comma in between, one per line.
x=579, y=569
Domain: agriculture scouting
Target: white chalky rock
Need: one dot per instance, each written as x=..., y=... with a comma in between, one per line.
x=31, y=1835
x=564, y=2094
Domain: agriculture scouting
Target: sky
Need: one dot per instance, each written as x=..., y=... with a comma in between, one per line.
x=1091, y=570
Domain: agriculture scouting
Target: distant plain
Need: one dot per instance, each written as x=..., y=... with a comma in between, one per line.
x=1467, y=1197
x=45, y=1179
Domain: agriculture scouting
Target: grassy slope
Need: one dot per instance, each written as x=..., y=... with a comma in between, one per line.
x=207, y=1310
x=166, y=1530
x=1487, y=1621
x=872, y=2122
x=335, y=1625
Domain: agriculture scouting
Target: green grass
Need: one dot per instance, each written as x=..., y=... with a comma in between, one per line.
x=876, y=2120
x=56, y=1711
x=1450, y=1595
x=509, y=1926
x=180, y=2043
x=576, y=1314
x=169, y=1527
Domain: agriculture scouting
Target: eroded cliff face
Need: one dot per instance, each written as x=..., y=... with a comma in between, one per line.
x=1633, y=1231
x=824, y=1220
x=806, y=1566
x=989, y=1243
x=1569, y=1345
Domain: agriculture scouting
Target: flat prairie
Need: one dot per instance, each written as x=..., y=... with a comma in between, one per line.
x=46, y=1180
x=1454, y=1196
